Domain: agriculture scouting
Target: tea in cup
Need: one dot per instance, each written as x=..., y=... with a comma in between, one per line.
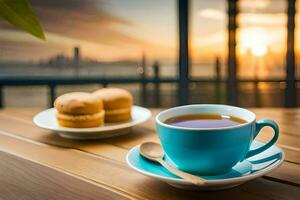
x=209, y=139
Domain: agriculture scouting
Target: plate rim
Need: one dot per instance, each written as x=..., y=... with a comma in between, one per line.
x=234, y=180
x=94, y=129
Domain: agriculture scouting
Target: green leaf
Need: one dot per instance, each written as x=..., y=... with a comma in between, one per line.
x=20, y=14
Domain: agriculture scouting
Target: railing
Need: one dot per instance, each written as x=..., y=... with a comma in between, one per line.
x=53, y=82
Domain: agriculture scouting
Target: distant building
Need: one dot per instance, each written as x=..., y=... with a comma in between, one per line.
x=76, y=55
x=76, y=60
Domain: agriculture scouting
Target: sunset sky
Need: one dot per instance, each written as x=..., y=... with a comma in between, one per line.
x=124, y=29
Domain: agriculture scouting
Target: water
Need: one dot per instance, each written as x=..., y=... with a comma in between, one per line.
x=200, y=70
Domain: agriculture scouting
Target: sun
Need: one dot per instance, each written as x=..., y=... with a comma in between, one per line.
x=254, y=39
x=258, y=50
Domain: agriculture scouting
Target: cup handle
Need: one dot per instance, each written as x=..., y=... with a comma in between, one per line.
x=259, y=125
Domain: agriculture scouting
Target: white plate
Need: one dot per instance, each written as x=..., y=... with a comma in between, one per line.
x=249, y=169
x=47, y=120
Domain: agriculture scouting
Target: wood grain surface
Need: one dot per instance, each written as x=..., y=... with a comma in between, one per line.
x=38, y=164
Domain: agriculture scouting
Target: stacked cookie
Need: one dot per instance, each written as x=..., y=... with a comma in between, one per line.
x=117, y=104
x=85, y=110
x=79, y=110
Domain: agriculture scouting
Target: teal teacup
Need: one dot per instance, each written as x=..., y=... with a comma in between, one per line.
x=211, y=151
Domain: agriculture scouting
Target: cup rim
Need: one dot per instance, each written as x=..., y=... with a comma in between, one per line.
x=204, y=129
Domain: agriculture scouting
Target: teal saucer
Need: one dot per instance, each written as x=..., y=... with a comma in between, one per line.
x=249, y=169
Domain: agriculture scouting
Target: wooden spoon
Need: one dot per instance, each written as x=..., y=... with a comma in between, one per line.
x=153, y=151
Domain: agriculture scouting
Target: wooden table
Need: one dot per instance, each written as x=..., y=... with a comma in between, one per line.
x=37, y=164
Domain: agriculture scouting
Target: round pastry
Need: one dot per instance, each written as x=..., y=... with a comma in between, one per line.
x=79, y=110
x=78, y=103
x=117, y=104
